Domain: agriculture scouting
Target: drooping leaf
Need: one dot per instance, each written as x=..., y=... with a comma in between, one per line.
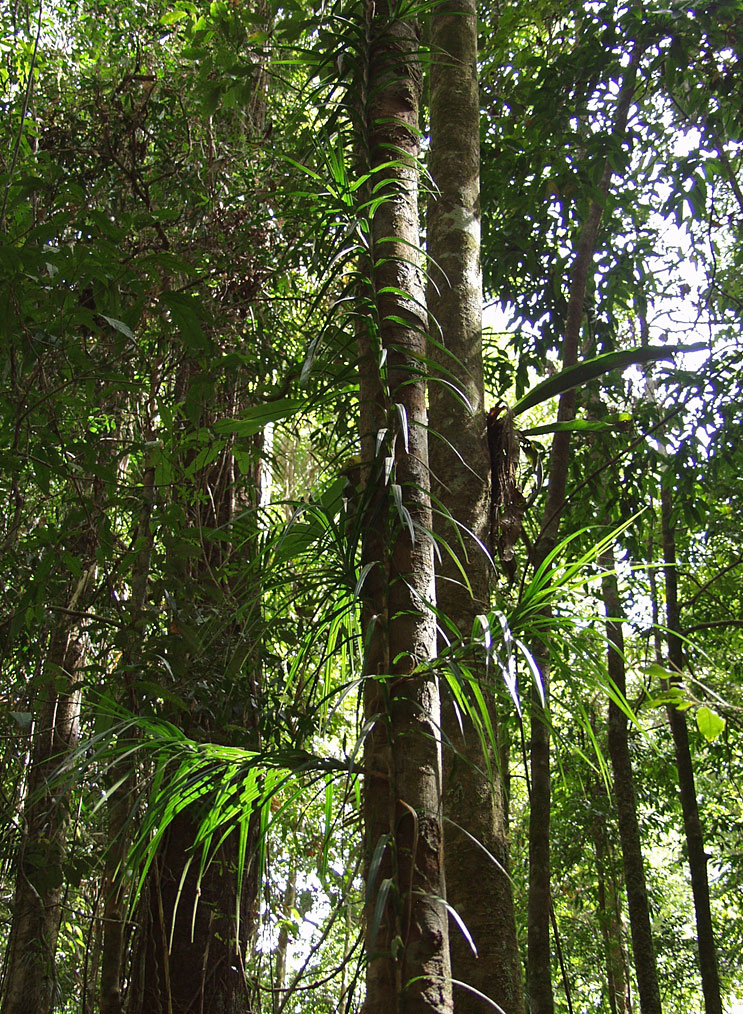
x=252, y=420
x=119, y=325
x=710, y=723
x=617, y=422
x=590, y=369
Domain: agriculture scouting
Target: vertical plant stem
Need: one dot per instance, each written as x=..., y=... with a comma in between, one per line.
x=407, y=935
x=687, y=790
x=643, y=947
x=475, y=799
x=538, y=956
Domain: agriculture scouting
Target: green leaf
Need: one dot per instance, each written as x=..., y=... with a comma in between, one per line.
x=119, y=325
x=710, y=724
x=659, y=672
x=254, y=419
x=586, y=371
x=580, y=425
x=186, y=312
x=22, y=719
x=172, y=16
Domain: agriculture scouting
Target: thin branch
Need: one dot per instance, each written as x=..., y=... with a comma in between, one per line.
x=703, y=588
x=712, y=623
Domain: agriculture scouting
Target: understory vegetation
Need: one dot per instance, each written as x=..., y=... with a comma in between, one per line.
x=370, y=589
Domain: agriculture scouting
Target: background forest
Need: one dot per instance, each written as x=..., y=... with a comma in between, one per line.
x=305, y=571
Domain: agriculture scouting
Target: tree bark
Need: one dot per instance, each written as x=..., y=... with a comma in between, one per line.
x=190, y=954
x=643, y=947
x=406, y=928
x=29, y=976
x=610, y=919
x=687, y=790
x=539, y=957
x=282, y=949
x=477, y=888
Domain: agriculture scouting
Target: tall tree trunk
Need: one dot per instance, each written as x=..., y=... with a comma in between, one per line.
x=29, y=975
x=539, y=904
x=188, y=953
x=478, y=889
x=643, y=947
x=610, y=916
x=407, y=943
x=687, y=789
x=191, y=956
x=123, y=793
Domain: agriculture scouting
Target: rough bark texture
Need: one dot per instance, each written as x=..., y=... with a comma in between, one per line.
x=29, y=977
x=189, y=955
x=687, y=789
x=624, y=790
x=539, y=905
x=478, y=890
x=407, y=939
x=213, y=654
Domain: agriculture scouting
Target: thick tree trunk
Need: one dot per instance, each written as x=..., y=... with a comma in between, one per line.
x=687, y=789
x=193, y=963
x=406, y=927
x=478, y=889
x=190, y=956
x=29, y=977
x=624, y=790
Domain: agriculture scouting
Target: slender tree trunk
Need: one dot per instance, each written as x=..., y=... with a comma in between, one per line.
x=29, y=975
x=539, y=904
x=123, y=794
x=687, y=789
x=478, y=889
x=539, y=957
x=290, y=897
x=406, y=923
x=643, y=947
x=610, y=919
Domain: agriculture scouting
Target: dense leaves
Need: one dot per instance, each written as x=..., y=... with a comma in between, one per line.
x=186, y=220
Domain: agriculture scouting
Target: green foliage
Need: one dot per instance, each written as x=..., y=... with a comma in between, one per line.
x=184, y=245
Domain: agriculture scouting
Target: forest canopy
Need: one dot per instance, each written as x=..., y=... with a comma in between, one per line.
x=370, y=611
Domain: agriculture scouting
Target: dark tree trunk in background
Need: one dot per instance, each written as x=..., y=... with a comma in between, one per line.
x=122, y=799
x=479, y=890
x=610, y=915
x=687, y=789
x=190, y=959
x=540, y=903
x=406, y=924
x=193, y=962
x=643, y=948
x=29, y=982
